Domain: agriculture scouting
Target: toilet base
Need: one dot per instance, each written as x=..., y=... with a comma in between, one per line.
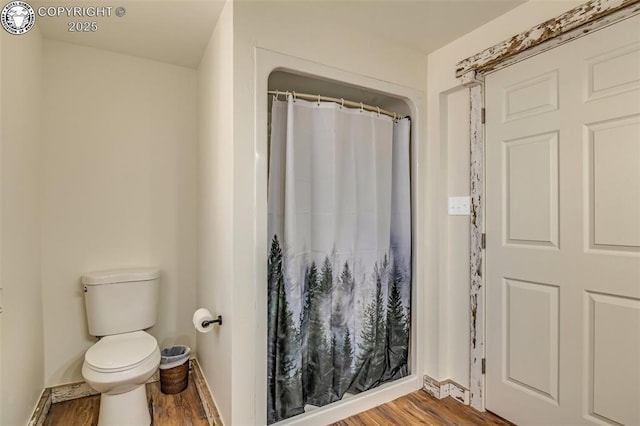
x=125, y=409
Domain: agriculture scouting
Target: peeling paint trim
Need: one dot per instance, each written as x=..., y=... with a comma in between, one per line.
x=446, y=388
x=209, y=405
x=476, y=254
x=432, y=387
x=42, y=409
x=71, y=391
x=81, y=389
x=577, y=22
x=77, y=390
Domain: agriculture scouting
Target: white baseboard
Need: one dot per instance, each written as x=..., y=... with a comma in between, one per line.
x=445, y=388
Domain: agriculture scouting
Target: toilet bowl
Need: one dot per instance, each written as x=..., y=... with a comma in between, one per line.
x=118, y=367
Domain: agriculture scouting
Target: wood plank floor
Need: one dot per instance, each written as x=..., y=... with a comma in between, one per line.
x=420, y=408
x=183, y=409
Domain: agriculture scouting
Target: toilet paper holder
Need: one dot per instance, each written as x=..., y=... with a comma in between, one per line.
x=207, y=323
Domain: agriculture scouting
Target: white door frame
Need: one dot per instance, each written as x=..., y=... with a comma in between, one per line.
x=575, y=23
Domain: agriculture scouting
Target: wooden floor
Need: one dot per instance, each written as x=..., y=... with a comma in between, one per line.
x=183, y=409
x=420, y=408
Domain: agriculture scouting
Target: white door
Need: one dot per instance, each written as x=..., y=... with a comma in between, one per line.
x=563, y=233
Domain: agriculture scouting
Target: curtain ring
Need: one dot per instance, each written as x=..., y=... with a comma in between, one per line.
x=275, y=97
x=378, y=111
x=294, y=96
x=394, y=115
x=361, y=107
x=341, y=102
x=318, y=99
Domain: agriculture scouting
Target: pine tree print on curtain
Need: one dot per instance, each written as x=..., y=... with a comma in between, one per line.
x=339, y=284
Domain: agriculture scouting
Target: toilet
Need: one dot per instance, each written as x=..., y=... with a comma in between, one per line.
x=120, y=305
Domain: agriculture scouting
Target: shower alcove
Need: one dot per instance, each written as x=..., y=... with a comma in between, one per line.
x=284, y=73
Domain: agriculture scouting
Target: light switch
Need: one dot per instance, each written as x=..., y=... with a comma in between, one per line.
x=459, y=206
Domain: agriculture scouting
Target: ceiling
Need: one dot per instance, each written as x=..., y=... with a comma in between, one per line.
x=424, y=25
x=177, y=31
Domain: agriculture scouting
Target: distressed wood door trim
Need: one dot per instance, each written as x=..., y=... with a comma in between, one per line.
x=577, y=22
x=476, y=290
x=572, y=24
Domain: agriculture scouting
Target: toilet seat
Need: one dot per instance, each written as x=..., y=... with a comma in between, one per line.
x=121, y=352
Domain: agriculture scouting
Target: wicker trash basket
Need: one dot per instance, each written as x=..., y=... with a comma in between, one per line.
x=174, y=369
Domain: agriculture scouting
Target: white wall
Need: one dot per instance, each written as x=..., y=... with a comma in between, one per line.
x=233, y=194
x=21, y=344
x=447, y=354
x=119, y=189
x=215, y=208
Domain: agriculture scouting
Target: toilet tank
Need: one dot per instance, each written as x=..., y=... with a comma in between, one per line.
x=121, y=300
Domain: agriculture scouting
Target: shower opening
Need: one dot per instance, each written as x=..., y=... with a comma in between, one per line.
x=340, y=243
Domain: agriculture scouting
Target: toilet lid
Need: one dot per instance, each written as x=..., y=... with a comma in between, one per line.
x=121, y=351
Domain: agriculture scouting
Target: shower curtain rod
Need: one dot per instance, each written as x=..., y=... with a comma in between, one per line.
x=340, y=101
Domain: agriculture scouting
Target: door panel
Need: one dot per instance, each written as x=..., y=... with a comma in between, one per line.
x=613, y=72
x=563, y=233
x=612, y=357
x=612, y=159
x=530, y=197
x=531, y=347
x=531, y=96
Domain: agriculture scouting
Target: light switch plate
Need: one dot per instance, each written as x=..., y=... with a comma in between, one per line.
x=459, y=206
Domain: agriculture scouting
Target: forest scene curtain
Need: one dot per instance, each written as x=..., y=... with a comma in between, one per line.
x=339, y=283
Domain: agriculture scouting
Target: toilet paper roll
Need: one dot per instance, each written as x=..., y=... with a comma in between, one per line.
x=199, y=316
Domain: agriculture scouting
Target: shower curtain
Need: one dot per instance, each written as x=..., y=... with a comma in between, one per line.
x=339, y=283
